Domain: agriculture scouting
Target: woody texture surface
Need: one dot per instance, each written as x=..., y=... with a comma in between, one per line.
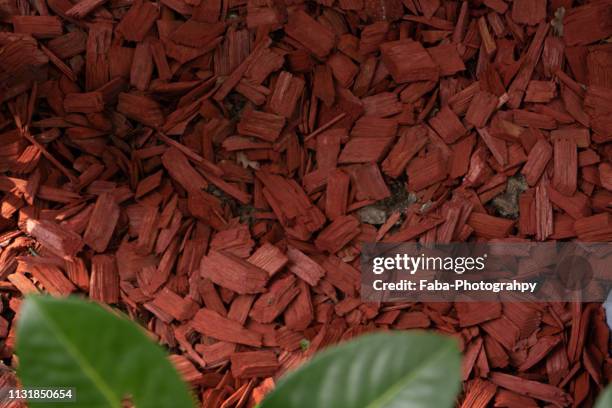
x=211, y=168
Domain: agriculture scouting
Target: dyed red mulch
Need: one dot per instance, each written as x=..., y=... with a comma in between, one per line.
x=212, y=167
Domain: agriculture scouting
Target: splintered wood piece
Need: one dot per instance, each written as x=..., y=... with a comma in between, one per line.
x=141, y=109
x=177, y=165
x=605, y=175
x=408, y=61
x=83, y=8
x=286, y=94
x=304, y=267
x=540, y=350
x=412, y=320
x=516, y=90
x=216, y=354
x=342, y=275
x=232, y=80
x=249, y=364
x=337, y=234
x=565, y=175
x=77, y=273
x=460, y=159
x=364, y=150
x=337, y=194
x=148, y=184
x=540, y=91
x=161, y=62
x=576, y=206
x=415, y=230
x=141, y=70
x=408, y=145
x=372, y=36
x=505, y=398
x=24, y=285
x=427, y=170
x=328, y=147
x=496, y=146
x=186, y=369
x=104, y=283
x=479, y=392
x=269, y=258
x=137, y=22
x=167, y=306
x=372, y=127
x=291, y=205
x=471, y=354
x=38, y=26
x=314, y=36
x=62, y=242
x=102, y=222
x=535, y=120
x=596, y=228
x=50, y=276
x=381, y=105
x=586, y=24
x=447, y=58
x=323, y=87
x=244, y=278
x=488, y=226
x=480, y=109
x=503, y=330
x=538, y=158
x=471, y=313
x=371, y=185
x=97, y=64
x=528, y=12
x=90, y=102
x=488, y=41
x=530, y=388
x=68, y=45
x=265, y=126
x=274, y=302
x=300, y=312
x=342, y=69
x=214, y=169
x=447, y=125
x=214, y=325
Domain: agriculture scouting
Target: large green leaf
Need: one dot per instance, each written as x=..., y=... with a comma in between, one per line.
x=605, y=398
x=77, y=344
x=407, y=370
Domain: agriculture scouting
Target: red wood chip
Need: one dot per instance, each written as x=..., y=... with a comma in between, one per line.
x=245, y=277
x=254, y=364
x=104, y=284
x=216, y=326
x=213, y=168
x=407, y=61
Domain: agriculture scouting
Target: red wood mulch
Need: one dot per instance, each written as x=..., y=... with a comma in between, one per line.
x=211, y=167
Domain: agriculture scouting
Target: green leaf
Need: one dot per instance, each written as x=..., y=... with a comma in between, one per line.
x=605, y=398
x=76, y=344
x=407, y=370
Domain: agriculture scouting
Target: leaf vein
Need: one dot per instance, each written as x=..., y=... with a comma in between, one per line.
x=395, y=389
x=105, y=390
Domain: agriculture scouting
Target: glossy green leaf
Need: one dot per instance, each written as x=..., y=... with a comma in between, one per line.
x=605, y=398
x=401, y=369
x=77, y=344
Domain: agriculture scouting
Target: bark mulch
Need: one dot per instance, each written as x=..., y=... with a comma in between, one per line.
x=212, y=167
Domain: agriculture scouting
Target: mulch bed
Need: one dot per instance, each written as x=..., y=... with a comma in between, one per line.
x=212, y=167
